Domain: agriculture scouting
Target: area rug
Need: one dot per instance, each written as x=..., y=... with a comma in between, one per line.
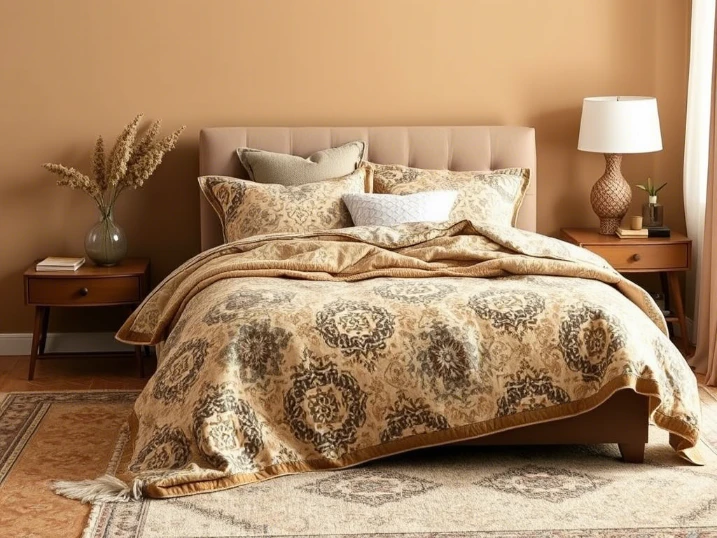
x=515, y=492
x=45, y=435
x=567, y=492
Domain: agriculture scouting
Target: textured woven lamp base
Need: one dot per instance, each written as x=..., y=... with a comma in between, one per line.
x=608, y=226
x=610, y=196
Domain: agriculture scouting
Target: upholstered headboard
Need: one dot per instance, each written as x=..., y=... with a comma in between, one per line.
x=452, y=148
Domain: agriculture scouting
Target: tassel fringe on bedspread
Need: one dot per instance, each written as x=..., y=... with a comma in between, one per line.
x=103, y=489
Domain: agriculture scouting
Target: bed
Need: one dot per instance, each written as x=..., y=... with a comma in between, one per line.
x=617, y=412
x=623, y=419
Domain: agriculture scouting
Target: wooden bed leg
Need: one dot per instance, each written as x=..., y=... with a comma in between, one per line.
x=632, y=452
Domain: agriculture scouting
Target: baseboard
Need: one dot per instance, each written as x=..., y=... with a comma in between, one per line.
x=20, y=343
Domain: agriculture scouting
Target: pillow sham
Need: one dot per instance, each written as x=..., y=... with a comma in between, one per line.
x=493, y=196
x=246, y=208
x=289, y=170
x=392, y=209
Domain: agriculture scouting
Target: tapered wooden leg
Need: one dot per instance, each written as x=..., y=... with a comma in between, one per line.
x=676, y=294
x=665, y=288
x=632, y=452
x=40, y=315
x=43, y=334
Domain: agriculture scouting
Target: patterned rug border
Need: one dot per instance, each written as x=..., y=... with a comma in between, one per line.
x=97, y=517
x=63, y=392
x=665, y=532
x=24, y=416
x=638, y=532
x=25, y=410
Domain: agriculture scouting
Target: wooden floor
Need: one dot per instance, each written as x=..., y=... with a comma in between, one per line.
x=72, y=374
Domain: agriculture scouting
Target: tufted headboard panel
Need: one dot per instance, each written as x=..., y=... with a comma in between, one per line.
x=452, y=148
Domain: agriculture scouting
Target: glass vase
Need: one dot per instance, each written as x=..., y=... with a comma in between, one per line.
x=652, y=214
x=106, y=243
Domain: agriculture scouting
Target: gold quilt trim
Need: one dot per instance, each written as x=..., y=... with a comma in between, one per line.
x=685, y=440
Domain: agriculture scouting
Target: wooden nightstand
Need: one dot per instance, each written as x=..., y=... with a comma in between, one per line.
x=125, y=284
x=665, y=255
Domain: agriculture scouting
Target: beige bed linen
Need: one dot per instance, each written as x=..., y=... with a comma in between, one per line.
x=246, y=208
x=380, y=340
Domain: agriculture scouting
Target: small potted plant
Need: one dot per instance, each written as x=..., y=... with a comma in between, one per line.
x=130, y=163
x=652, y=212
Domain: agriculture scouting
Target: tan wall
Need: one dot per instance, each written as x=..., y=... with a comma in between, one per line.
x=72, y=69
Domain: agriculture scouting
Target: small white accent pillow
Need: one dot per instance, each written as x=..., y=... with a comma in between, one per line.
x=392, y=209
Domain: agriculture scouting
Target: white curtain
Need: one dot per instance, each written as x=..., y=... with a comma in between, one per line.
x=697, y=140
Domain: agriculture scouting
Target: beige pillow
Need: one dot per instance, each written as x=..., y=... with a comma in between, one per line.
x=268, y=167
x=246, y=208
x=493, y=197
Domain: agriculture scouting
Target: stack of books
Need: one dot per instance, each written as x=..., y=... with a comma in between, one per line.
x=655, y=231
x=59, y=264
x=625, y=233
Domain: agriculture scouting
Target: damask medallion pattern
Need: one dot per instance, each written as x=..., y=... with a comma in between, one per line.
x=169, y=448
x=513, y=311
x=325, y=406
x=257, y=350
x=447, y=361
x=179, y=370
x=545, y=483
x=226, y=429
x=370, y=488
x=357, y=328
x=530, y=389
x=408, y=417
x=590, y=339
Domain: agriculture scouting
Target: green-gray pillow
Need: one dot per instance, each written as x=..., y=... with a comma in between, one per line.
x=290, y=170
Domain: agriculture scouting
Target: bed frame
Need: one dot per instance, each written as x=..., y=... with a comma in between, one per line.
x=622, y=419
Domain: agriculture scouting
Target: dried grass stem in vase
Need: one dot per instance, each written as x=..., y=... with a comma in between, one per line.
x=130, y=163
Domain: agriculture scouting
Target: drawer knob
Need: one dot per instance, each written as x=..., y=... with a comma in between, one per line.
x=84, y=291
x=636, y=257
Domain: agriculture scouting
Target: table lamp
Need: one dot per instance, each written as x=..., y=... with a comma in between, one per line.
x=616, y=125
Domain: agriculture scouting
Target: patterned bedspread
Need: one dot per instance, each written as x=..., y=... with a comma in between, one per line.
x=291, y=353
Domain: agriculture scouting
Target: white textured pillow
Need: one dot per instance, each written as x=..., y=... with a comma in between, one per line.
x=391, y=209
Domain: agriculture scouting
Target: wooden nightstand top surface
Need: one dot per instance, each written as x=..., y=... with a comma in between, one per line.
x=127, y=267
x=589, y=236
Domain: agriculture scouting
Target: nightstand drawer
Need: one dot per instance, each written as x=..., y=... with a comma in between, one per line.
x=662, y=257
x=83, y=291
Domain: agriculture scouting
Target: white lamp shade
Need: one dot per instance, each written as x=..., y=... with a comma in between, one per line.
x=619, y=124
